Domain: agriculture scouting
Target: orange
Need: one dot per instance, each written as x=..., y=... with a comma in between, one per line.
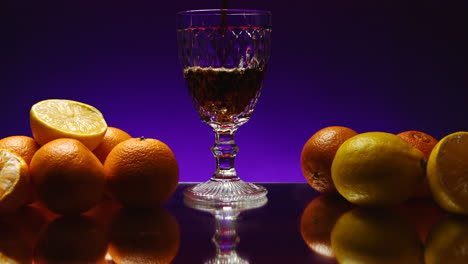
x=425, y=143
x=144, y=236
x=15, y=187
x=369, y=236
x=112, y=137
x=448, y=241
x=56, y=118
x=67, y=177
x=318, y=219
x=71, y=239
x=318, y=153
x=141, y=172
x=447, y=173
x=22, y=145
x=377, y=169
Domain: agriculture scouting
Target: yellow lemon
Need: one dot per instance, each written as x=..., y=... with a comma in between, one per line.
x=14, y=181
x=377, y=169
x=57, y=118
x=447, y=172
x=365, y=235
x=447, y=242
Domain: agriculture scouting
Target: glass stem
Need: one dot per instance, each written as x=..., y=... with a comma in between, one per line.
x=225, y=151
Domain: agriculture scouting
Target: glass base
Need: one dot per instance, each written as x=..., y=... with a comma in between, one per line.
x=225, y=191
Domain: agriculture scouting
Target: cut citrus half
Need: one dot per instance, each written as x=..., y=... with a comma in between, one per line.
x=14, y=181
x=447, y=173
x=57, y=118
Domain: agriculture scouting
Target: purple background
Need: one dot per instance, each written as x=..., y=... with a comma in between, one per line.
x=369, y=65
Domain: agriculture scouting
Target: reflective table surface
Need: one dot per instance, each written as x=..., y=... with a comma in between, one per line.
x=294, y=225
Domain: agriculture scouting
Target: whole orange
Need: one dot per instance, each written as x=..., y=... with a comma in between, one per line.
x=141, y=172
x=67, y=177
x=22, y=145
x=425, y=143
x=112, y=137
x=318, y=153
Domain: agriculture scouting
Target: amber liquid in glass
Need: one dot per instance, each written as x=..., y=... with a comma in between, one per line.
x=224, y=95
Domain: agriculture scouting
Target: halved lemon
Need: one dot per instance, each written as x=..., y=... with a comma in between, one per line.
x=58, y=118
x=447, y=172
x=14, y=181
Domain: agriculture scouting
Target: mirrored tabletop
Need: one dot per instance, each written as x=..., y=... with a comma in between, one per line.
x=295, y=224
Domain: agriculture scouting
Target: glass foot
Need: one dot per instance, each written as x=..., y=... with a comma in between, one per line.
x=225, y=191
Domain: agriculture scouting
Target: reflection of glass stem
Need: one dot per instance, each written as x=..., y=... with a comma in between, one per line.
x=226, y=238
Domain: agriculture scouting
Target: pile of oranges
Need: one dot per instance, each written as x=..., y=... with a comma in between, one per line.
x=74, y=159
x=378, y=169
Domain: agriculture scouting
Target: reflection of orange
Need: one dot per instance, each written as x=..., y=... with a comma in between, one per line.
x=141, y=172
x=14, y=247
x=423, y=214
x=112, y=137
x=318, y=153
x=71, y=239
x=103, y=212
x=425, y=143
x=365, y=235
x=448, y=241
x=68, y=178
x=318, y=219
x=144, y=236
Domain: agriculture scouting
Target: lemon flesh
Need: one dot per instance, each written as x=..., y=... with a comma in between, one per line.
x=9, y=171
x=56, y=118
x=447, y=173
x=14, y=182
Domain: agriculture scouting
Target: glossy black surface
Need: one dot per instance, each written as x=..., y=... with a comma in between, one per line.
x=294, y=226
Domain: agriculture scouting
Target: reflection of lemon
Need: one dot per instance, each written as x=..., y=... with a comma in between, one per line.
x=448, y=241
x=377, y=168
x=447, y=172
x=52, y=119
x=375, y=236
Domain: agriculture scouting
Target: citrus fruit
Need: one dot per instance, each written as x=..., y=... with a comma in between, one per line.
x=425, y=143
x=365, y=235
x=15, y=186
x=22, y=145
x=141, y=172
x=447, y=242
x=112, y=137
x=318, y=153
x=447, y=172
x=57, y=118
x=377, y=169
x=318, y=219
x=71, y=239
x=144, y=236
x=67, y=177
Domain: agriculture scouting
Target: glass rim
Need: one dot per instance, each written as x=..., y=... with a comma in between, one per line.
x=229, y=12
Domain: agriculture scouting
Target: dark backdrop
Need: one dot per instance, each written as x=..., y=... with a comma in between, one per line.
x=369, y=65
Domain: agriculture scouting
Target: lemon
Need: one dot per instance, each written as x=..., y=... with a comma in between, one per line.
x=365, y=235
x=447, y=172
x=377, y=169
x=14, y=181
x=447, y=242
x=57, y=118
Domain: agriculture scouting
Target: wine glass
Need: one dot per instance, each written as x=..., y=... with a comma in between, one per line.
x=224, y=54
